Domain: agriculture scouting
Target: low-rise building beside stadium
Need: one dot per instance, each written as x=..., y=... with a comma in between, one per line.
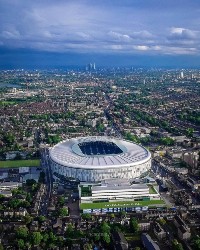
x=112, y=190
x=117, y=195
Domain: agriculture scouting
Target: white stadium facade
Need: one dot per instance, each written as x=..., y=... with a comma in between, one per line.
x=93, y=159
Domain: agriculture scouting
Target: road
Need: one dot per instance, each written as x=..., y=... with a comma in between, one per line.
x=49, y=181
x=106, y=113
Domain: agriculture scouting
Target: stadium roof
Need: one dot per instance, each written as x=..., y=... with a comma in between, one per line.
x=69, y=153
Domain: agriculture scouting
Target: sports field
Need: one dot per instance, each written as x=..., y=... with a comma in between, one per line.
x=120, y=204
x=7, y=103
x=20, y=163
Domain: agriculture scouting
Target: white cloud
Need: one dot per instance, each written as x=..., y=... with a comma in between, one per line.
x=142, y=35
x=84, y=35
x=10, y=34
x=100, y=26
x=177, y=30
x=141, y=47
x=119, y=37
x=156, y=47
x=182, y=33
x=116, y=47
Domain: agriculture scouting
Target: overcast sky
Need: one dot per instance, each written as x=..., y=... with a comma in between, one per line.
x=69, y=30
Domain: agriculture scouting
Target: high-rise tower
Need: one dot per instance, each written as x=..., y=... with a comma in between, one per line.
x=182, y=75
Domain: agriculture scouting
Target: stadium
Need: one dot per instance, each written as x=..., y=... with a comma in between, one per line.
x=93, y=159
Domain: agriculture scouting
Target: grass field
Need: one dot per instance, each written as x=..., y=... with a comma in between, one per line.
x=121, y=204
x=152, y=190
x=132, y=237
x=19, y=163
x=7, y=103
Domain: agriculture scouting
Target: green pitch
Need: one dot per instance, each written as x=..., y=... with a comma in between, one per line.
x=19, y=163
x=120, y=204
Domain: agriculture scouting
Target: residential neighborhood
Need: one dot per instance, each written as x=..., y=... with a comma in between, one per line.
x=156, y=109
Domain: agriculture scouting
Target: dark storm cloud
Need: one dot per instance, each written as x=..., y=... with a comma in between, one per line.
x=155, y=27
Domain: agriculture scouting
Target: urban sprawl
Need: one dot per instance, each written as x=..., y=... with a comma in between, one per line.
x=158, y=109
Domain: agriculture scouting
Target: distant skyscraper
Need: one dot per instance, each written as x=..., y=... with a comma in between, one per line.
x=182, y=75
x=91, y=66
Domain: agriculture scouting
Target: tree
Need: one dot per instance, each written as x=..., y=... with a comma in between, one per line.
x=20, y=243
x=86, y=216
x=45, y=237
x=41, y=218
x=167, y=141
x=34, y=187
x=176, y=245
x=137, y=248
x=30, y=182
x=97, y=237
x=134, y=225
x=190, y=132
x=87, y=246
x=53, y=139
x=36, y=238
x=52, y=237
x=24, y=204
x=106, y=238
x=2, y=197
x=61, y=200
x=116, y=227
x=60, y=241
x=112, y=216
x=22, y=232
x=1, y=247
x=28, y=197
x=196, y=242
x=131, y=137
x=14, y=203
x=70, y=230
x=9, y=139
x=28, y=219
x=51, y=245
x=162, y=221
x=122, y=214
x=105, y=228
x=62, y=212
x=100, y=127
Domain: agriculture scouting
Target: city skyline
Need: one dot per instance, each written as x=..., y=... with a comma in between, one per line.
x=116, y=33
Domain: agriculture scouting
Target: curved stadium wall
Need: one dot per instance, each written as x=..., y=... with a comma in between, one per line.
x=92, y=159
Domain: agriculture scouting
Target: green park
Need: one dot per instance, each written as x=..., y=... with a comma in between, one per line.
x=20, y=163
